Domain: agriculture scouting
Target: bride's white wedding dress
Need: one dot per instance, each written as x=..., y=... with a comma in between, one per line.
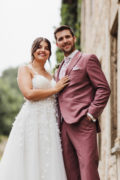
x=33, y=150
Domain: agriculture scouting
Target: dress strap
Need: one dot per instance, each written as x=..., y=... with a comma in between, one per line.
x=30, y=66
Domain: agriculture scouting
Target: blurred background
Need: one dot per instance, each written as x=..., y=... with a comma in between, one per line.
x=96, y=25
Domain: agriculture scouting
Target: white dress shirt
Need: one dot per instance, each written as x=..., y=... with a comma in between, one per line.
x=67, y=61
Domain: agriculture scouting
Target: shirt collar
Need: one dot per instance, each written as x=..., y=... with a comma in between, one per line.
x=71, y=55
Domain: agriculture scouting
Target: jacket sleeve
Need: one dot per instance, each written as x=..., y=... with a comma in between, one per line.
x=100, y=84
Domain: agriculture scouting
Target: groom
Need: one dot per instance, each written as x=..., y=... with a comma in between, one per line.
x=80, y=104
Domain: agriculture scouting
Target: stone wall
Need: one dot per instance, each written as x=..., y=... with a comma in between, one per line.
x=98, y=22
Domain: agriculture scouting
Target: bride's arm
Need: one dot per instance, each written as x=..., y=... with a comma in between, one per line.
x=25, y=86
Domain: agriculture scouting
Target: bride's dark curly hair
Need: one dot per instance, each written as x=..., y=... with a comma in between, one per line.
x=36, y=45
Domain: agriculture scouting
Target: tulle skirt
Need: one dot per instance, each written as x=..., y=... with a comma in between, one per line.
x=33, y=150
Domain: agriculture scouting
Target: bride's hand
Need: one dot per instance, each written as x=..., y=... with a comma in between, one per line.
x=61, y=84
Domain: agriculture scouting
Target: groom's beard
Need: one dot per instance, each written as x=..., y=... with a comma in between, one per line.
x=69, y=51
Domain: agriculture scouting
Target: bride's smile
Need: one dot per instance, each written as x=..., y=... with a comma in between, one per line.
x=42, y=53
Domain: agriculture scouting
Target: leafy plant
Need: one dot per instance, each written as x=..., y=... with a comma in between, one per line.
x=10, y=99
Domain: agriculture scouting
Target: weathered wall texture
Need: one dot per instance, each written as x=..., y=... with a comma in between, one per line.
x=100, y=34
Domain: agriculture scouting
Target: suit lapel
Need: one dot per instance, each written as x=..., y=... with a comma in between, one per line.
x=71, y=65
x=73, y=62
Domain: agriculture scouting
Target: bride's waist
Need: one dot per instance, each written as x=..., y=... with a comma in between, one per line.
x=48, y=100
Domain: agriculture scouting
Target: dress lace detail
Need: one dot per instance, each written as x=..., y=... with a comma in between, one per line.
x=33, y=151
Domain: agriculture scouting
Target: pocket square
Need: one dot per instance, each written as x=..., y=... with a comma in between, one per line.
x=75, y=68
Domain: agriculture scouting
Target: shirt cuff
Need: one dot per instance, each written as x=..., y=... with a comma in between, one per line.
x=92, y=118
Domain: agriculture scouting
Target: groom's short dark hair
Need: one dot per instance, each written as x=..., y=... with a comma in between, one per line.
x=61, y=28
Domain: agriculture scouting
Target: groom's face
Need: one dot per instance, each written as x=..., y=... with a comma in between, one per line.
x=65, y=41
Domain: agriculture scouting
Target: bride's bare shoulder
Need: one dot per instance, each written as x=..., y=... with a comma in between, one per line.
x=24, y=69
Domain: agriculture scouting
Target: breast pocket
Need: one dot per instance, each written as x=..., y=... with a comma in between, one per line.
x=76, y=75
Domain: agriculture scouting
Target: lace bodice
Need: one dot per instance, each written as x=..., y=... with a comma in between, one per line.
x=40, y=82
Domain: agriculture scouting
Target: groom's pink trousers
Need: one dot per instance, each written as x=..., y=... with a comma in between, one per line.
x=80, y=150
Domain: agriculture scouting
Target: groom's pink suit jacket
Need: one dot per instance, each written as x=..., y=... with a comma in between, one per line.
x=88, y=90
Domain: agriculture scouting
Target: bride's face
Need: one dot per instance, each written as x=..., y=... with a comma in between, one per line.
x=43, y=52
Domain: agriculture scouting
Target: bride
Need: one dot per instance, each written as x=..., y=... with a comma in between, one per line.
x=33, y=150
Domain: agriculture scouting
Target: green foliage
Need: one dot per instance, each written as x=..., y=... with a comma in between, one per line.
x=10, y=77
x=70, y=15
x=10, y=99
x=60, y=55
